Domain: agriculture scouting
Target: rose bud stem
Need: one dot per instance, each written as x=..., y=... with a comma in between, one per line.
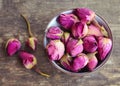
x=36, y=69
x=28, y=26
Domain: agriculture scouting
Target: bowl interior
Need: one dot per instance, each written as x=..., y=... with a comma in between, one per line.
x=54, y=22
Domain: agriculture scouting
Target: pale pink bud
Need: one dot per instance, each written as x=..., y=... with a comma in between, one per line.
x=74, y=47
x=55, y=49
x=79, y=30
x=32, y=43
x=92, y=61
x=66, y=61
x=79, y=62
x=12, y=46
x=29, y=60
x=85, y=14
x=67, y=20
x=90, y=44
x=54, y=32
x=104, y=47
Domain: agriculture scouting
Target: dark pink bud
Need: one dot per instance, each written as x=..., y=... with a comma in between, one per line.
x=79, y=62
x=54, y=32
x=90, y=44
x=79, y=30
x=67, y=20
x=29, y=60
x=32, y=42
x=92, y=61
x=74, y=47
x=55, y=49
x=65, y=37
x=66, y=61
x=12, y=46
x=85, y=14
x=104, y=46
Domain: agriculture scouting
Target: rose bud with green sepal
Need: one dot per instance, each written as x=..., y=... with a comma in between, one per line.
x=54, y=32
x=66, y=61
x=93, y=61
x=67, y=20
x=79, y=62
x=74, y=47
x=90, y=44
x=85, y=15
x=65, y=37
x=55, y=49
x=79, y=30
x=12, y=46
x=104, y=47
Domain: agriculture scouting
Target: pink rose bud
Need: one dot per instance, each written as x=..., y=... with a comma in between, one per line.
x=67, y=20
x=29, y=60
x=12, y=46
x=92, y=61
x=79, y=30
x=66, y=61
x=104, y=46
x=93, y=30
x=85, y=14
x=55, y=49
x=90, y=44
x=74, y=47
x=65, y=37
x=79, y=62
x=54, y=32
x=32, y=42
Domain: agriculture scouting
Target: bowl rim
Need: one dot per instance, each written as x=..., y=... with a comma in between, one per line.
x=78, y=73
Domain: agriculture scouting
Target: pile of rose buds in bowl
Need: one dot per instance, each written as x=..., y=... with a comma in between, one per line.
x=79, y=42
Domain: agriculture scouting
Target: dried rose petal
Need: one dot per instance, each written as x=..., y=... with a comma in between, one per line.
x=55, y=49
x=74, y=47
x=29, y=60
x=92, y=61
x=66, y=61
x=79, y=62
x=12, y=46
x=90, y=44
x=54, y=32
x=104, y=47
x=85, y=14
x=79, y=30
x=32, y=42
x=67, y=20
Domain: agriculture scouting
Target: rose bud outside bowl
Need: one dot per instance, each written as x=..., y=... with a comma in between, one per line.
x=54, y=22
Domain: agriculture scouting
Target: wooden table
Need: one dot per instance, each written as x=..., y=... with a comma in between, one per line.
x=39, y=13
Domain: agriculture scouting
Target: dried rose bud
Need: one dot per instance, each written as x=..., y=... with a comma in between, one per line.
x=90, y=44
x=65, y=37
x=92, y=61
x=93, y=30
x=55, y=49
x=29, y=60
x=54, y=32
x=104, y=46
x=12, y=46
x=74, y=47
x=32, y=42
x=85, y=14
x=66, y=61
x=79, y=30
x=79, y=62
x=67, y=20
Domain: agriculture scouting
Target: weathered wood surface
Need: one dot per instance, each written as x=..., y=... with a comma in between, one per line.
x=39, y=13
